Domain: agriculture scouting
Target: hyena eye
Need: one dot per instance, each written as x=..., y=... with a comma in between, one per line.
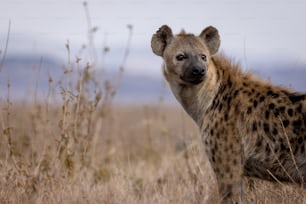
x=203, y=57
x=180, y=57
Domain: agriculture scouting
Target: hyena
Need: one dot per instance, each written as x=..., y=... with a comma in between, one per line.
x=248, y=126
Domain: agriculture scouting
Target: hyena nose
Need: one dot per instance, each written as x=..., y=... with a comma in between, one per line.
x=198, y=71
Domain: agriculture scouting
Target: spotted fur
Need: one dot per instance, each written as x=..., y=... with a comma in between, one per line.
x=249, y=127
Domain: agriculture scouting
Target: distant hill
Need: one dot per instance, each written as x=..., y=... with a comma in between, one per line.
x=25, y=72
x=29, y=73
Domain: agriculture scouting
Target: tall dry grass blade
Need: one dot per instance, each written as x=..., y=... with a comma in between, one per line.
x=125, y=57
x=281, y=165
x=6, y=46
x=90, y=35
x=292, y=155
x=278, y=181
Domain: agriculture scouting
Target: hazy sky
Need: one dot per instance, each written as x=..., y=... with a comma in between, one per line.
x=250, y=30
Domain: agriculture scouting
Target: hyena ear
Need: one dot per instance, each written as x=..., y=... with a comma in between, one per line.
x=210, y=36
x=160, y=40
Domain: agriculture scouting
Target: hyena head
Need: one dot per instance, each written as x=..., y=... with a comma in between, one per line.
x=186, y=56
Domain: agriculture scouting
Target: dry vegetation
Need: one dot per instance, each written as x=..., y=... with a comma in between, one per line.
x=83, y=148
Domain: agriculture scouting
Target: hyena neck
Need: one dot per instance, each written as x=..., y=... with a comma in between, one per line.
x=187, y=97
x=196, y=99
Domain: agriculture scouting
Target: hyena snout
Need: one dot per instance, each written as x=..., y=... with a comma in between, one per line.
x=194, y=74
x=198, y=71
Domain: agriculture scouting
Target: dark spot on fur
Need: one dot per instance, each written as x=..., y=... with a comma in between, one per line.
x=229, y=100
x=296, y=131
x=212, y=132
x=229, y=83
x=249, y=110
x=282, y=109
x=225, y=97
x=213, y=103
x=267, y=114
x=296, y=97
x=255, y=103
x=237, y=109
x=220, y=107
x=272, y=94
x=300, y=140
x=283, y=147
x=235, y=93
x=276, y=112
x=218, y=135
x=229, y=191
x=276, y=149
x=271, y=106
x=295, y=150
x=216, y=146
x=290, y=112
x=225, y=116
x=268, y=150
x=275, y=95
x=245, y=84
x=261, y=99
x=213, y=152
x=245, y=91
x=297, y=124
x=231, y=146
x=254, y=126
x=299, y=108
x=285, y=123
x=266, y=128
x=274, y=131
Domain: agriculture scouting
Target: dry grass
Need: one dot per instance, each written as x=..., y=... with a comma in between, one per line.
x=76, y=152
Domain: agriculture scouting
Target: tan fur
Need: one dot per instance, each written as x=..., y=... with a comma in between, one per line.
x=249, y=127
